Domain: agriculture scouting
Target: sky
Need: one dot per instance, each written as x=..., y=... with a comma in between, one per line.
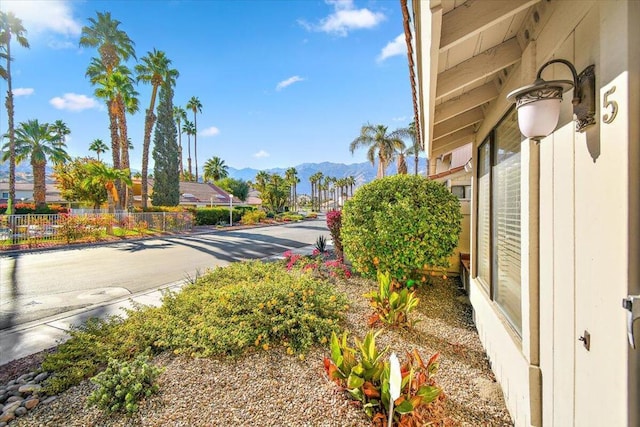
x=281, y=82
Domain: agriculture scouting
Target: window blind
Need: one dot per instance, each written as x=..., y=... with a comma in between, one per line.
x=506, y=220
x=484, y=219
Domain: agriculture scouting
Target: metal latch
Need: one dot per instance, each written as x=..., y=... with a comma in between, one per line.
x=632, y=305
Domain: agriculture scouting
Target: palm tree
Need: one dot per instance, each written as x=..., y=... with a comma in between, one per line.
x=195, y=105
x=380, y=143
x=114, y=45
x=351, y=181
x=127, y=103
x=315, y=179
x=154, y=69
x=10, y=26
x=101, y=174
x=261, y=180
x=415, y=147
x=291, y=176
x=215, y=169
x=38, y=142
x=189, y=129
x=179, y=115
x=99, y=147
x=61, y=129
x=402, y=154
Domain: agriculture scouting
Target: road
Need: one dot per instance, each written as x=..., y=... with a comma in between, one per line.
x=37, y=285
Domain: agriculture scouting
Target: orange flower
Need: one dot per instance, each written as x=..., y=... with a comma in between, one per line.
x=376, y=261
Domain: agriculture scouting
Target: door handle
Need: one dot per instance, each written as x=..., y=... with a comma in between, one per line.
x=632, y=304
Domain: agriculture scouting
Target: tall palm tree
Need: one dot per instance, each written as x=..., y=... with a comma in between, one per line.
x=216, y=169
x=61, y=129
x=101, y=174
x=415, y=147
x=180, y=115
x=195, y=105
x=10, y=26
x=351, y=181
x=99, y=147
x=117, y=90
x=114, y=45
x=154, y=69
x=291, y=176
x=402, y=154
x=315, y=191
x=189, y=129
x=38, y=142
x=381, y=144
x=127, y=103
x=261, y=180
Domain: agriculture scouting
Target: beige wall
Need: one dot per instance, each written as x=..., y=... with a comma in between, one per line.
x=579, y=188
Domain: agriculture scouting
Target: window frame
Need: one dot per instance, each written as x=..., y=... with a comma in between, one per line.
x=490, y=288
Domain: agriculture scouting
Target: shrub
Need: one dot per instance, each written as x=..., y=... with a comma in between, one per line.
x=365, y=374
x=245, y=305
x=214, y=216
x=123, y=384
x=253, y=217
x=317, y=264
x=228, y=311
x=321, y=244
x=392, y=307
x=401, y=224
x=334, y=223
x=30, y=208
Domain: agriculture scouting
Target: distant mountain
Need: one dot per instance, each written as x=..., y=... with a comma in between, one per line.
x=362, y=172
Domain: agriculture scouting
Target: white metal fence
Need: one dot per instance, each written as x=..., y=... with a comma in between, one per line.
x=35, y=230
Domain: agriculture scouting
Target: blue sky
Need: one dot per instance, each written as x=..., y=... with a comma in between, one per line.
x=281, y=82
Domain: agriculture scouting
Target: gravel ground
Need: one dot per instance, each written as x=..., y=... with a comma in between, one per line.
x=273, y=389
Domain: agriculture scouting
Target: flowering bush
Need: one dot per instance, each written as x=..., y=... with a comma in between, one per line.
x=318, y=263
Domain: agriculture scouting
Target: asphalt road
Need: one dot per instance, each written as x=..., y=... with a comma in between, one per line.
x=37, y=285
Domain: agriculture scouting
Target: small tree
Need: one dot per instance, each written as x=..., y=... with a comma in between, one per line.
x=402, y=224
x=166, y=186
x=72, y=181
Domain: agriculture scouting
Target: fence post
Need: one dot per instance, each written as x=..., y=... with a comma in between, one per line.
x=164, y=221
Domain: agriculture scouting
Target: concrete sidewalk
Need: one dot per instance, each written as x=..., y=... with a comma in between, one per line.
x=29, y=338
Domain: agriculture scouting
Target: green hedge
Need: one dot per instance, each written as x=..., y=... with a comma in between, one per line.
x=403, y=224
x=215, y=216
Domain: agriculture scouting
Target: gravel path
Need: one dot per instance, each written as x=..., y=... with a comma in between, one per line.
x=273, y=389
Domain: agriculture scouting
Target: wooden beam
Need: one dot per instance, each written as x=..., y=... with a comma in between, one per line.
x=453, y=141
x=456, y=123
x=475, y=16
x=480, y=66
x=465, y=102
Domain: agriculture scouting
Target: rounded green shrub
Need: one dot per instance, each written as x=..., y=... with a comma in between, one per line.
x=402, y=224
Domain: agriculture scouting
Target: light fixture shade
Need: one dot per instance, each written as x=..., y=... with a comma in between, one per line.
x=539, y=119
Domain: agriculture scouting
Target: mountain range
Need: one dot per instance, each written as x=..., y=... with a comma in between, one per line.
x=362, y=172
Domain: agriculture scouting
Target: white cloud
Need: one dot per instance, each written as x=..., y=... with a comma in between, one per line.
x=41, y=16
x=73, y=102
x=288, y=82
x=210, y=131
x=399, y=119
x=261, y=154
x=61, y=44
x=22, y=91
x=345, y=17
x=396, y=47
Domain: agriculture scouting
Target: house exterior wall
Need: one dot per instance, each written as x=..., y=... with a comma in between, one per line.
x=579, y=234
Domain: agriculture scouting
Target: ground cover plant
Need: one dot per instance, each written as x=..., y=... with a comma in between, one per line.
x=226, y=312
x=404, y=224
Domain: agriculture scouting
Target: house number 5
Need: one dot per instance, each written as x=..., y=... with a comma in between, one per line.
x=606, y=103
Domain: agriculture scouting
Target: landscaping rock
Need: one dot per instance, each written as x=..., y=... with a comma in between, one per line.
x=14, y=399
x=31, y=403
x=21, y=411
x=41, y=377
x=30, y=388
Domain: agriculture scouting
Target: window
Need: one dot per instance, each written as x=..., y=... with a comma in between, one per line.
x=462, y=192
x=498, y=226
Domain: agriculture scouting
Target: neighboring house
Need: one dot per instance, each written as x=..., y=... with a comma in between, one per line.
x=555, y=223
x=24, y=193
x=192, y=194
x=454, y=170
x=253, y=199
